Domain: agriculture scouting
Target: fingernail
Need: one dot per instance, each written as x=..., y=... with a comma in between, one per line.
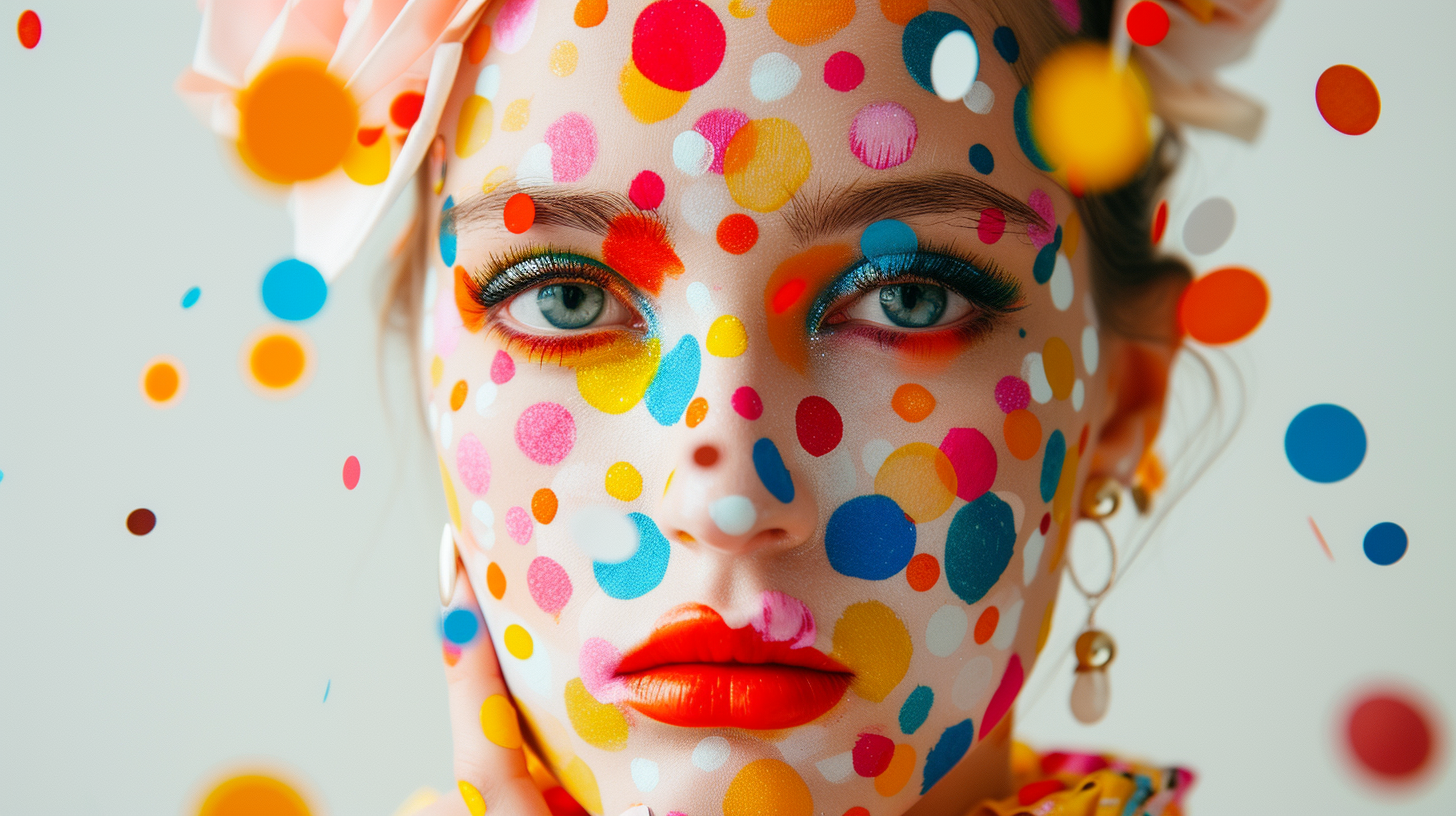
x=473, y=800
x=448, y=572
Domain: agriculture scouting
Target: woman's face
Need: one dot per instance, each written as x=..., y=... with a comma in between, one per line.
x=761, y=433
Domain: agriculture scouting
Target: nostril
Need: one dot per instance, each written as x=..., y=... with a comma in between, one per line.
x=706, y=456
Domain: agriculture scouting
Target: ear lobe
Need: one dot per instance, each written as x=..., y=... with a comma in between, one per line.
x=1137, y=389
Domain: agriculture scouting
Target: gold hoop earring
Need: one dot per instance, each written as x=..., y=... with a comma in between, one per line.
x=1095, y=648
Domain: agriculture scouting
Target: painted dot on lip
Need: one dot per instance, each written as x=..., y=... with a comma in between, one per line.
x=888, y=237
x=734, y=515
x=1147, y=23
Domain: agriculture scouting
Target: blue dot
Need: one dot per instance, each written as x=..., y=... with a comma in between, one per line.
x=1022, y=118
x=1022, y=331
x=978, y=546
x=447, y=232
x=1046, y=259
x=294, y=290
x=1325, y=443
x=2, y=475
x=676, y=379
x=869, y=537
x=1006, y=45
x=916, y=709
x=1051, y=465
x=922, y=34
x=1385, y=543
x=888, y=237
x=460, y=626
x=982, y=160
x=949, y=750
x=771, y=470
x=641, y=573
x=190, y=299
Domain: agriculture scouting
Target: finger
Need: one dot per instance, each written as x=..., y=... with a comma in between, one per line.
x=490, y=765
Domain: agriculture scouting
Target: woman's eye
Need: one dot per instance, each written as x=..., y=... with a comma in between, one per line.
x=567, y=306
x=909, y=306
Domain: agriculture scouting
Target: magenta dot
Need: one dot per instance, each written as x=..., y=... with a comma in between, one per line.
x=546, y=433
x=351, y=472
x=502, y=368
x=1041, y=236
x=1046, y=523
x=647, y=190
x=818, y=425
x=991, y=225
x=678, y=44
x=573, y=143
x=549, y=584
x=974, y=460
x=1012, y=394
x=519, y=525
x=843, y=71
x=883, y=135
x=872, y=753
x=473, y=463
x=747, y=403
x=719, y=127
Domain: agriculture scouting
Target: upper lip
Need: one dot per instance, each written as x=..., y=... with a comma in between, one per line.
x=694, y=633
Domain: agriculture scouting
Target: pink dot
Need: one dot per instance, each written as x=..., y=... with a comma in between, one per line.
x=1071, y=13
x=1391, y=735
x=883, y=135
x=1005, y=695
x=1012, y=394
x=597, y=663
x=718, y=127
x=514, y=24
x=819, y=425
x=991, y=225
x=647, y=190
x=473, y=463
x=678, y=44
x=573, y=143
x=872, y=754
x=502, y=368
x=549, y=584
x=843, y=71
x=545, y=433
x=974, y=460
x=747, y=403
x=351, y=472
x=518, y=525
x=1041, y=236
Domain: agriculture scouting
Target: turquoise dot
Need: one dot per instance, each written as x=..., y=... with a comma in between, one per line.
x=982, y=160
x=916, y=709
x=869, y=537
x=1021, y=116
x=888, y=237
x=190, y=299
x=1006, y=45
x=922, y=34
x=294, y=290
x=949, y=750
x=1385, y=543
x=1325, y=443
x=641, y=573
x=771, y=470
x=447, y=232
x=1051, y=465
x=1046, y=259
x=460, y=626
x=978, y=546
x=676, y=379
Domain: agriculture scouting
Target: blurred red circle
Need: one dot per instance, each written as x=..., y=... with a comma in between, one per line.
x=1391, y=735
x=1147, y=23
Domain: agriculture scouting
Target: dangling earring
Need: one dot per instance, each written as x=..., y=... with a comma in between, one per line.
x=1095, y=648
x=449, y=566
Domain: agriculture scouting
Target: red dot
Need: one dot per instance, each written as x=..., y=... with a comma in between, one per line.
x=1223, y=306
x=747, y=403
x=1147, y=23
x=1046, y=523
x=28, y=28
x=843, y=71
x=647, y=190
x=1347, y=99
x=405, y=108
x=141, y=521
x=1034, y=792
x=788, y=294
x=1391, y=735
x=678, y=44
x=368, y=136
x=351, y=472
x=520, y=213
x=872, y=754
x=922, y=572
x=559, y=802
x=737, y=234
x=857, y=811
x=819, y=425
x=991, y=225
x=1160, y=221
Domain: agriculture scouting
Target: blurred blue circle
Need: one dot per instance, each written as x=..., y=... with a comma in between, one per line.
x=1325, y=443
x=294, y=290
x=190, y=299
x=460, y=626
x=1385, y=543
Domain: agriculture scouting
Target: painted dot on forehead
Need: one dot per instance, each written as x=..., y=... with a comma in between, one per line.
x=954, y=65
x=473, y=128
x=647, y=101
x=765, y=163
x=1021, y=116
x=771, y=470
x=919, y=41
x=773, y=77
x=563, y=58
x=883, y=135
x=869, y=537
x=737, y=234
x=678, y=44
x=901, y=12
x=843, y=71
x=573, y=143
x=641, y=573
x=691, y=153
x=546, y=433
x=719, y=126
x=888, y=237
x=646, y=190
x=519, y=213
x=982, y=159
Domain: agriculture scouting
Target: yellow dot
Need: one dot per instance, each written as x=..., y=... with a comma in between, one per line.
x=253, y=795
x=1056, y=358
x=740, y=9
x=563, y=58
x=806, y=22
x=768, y=787
x=495, y=178
x=474, y=802
x=1046, y=626
x=295, y=121
x=517, y=115
x=647, y=101
x=472, y=130
x=498, y=721
x=277, y=361
x=623, y=481
x=437, y=371
x=901, y=768
x=727, y=337
x=1091, y=118
x=518, y=642
x=599, y=724
x=875, y=645
x=581, y=783
x=452, y=503
x=765, y=163
x=920, y=478
x=1066, y=486
x=367, y=164
x=619, y=381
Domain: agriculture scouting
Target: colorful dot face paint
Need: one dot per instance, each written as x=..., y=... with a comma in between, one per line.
x=723, y=370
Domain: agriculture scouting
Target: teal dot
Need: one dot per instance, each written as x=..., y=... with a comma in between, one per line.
x=294, y=290
x=1051, y=465
x=916, y=709
x=982, y=160
x=1021, y=115
x=978, y=546
x=922, y=34
x=1325, y=443
x=888, y=237
x=447, y=232
x=1006, y=45
x=676, y=379
x=1385, y=543
x=948, y=751
x=190, y=299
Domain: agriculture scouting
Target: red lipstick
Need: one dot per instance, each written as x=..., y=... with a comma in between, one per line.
x=695, y=672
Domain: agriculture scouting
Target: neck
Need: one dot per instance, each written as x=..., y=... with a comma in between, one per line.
x=984, y=774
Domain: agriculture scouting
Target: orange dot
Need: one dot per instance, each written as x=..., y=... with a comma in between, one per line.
x=922, y=572
x=295, y=121
x=495, y=580
x=457, y=395
x=737, y=233
x=806, y=22
x=477, y=44
x=253, y=795
x=1347, y=99
x=520, y=213
x=697, y=412
x=277, y=361
x=451, y=653
x=986, y=624
x=901, y=12
x=404, y=111
x=590, y=13
x=912, y=402
x=1023, y=434
x=161, y=381
x=1224, y=306
x=543, y=505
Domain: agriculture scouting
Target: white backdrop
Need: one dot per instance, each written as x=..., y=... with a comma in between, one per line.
x=134, y=669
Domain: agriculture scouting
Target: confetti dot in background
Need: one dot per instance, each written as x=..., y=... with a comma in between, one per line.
x=1391, y=735
x=190, y=299
x=278, y=361
x=295, y=121
x=294, y=290
x=1224, y=306
x=164, y=381
x=1347, y=99
x=843, y=71
x=253, y=795
x=140, y=521
x=1090, y=119
x=1209, y=226
x=1385, y=543
x=351, y=472
x=1160, y=221
x=1147, y=23
x=28, y=28
x=1325, y=443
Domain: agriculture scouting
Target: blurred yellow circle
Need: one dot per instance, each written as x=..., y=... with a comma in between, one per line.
x=253, y=795
x=1090, y=117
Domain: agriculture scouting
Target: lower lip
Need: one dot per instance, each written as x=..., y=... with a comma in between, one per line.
x=735, y=695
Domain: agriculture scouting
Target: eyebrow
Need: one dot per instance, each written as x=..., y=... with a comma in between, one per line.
x=813, y=215
x=588, y=210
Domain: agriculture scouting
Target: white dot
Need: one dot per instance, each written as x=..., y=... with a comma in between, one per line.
x=644, y=774
x=1033, y=370
x=1031, y=555
x=1061, y=283
x=1018, y=510
x=773, y=77
x=488, y=83
x=700, y=299
x=1090, y=349
x=734, y=515
x=427, y=333
x=837, y=767
x=447, y=430
x=604, y=534
x=482, y=524
x=1209, y=226
x=876, y=451
x=840, y=479
x=434, y=418
x=535, y=167
x=1008, y=624
x=710, y=753
x=946, y=630
x=1079, y=395
x=692, y=153
x=981, y=98
x=971, y=684
x=954, y=65
x=704, y=203
x=484, y=397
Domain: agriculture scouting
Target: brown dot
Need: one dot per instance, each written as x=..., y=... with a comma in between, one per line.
x=457, y=395
x=141, y=521
x=706, y=456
